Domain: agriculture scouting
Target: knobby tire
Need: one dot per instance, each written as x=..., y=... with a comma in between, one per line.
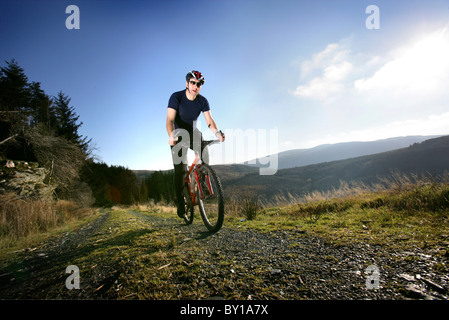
x=211, y=210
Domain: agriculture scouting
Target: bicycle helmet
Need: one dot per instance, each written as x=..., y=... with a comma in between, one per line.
x=195, y=74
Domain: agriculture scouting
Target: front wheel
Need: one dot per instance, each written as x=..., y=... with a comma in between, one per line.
x=210, y=198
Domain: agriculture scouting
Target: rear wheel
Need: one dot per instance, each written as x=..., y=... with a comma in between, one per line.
x=210, y=200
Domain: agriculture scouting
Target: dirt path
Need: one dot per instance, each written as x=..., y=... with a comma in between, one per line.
x=133, y=255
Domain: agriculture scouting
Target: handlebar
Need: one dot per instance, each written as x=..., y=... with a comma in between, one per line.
x=209, y=142
x=204, y=143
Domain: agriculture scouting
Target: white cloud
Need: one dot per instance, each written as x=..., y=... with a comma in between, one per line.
x=324, y=57
x=329, y=84
x=361, y=96
x=332, y=68
x=411, y=78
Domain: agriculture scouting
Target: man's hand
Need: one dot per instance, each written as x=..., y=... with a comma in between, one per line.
x=220, y=135
x=172, y=140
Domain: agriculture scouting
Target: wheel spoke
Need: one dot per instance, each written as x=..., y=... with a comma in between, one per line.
x=211, y=205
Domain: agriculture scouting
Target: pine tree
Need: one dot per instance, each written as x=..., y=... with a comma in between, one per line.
x=67, y=126
x=42, y=109
x=14, y=88
x=143, y=191
x=14, y=101
x=67, y=122
x=125, y=182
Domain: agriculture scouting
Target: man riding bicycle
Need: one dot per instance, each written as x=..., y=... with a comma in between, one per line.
x=183, y=110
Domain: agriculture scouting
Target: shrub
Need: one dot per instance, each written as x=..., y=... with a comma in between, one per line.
x=250, y=206
x=21, y=218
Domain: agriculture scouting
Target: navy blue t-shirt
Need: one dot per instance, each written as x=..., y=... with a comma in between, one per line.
x=187, y=110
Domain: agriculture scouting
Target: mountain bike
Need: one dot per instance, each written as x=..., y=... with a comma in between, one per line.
x=202, y=188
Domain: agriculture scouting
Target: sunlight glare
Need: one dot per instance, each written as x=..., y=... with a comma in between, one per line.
x=418, y=68
x=430, y=55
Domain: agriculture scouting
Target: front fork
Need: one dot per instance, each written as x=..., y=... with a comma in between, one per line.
x=207, y=184
x=197, y=182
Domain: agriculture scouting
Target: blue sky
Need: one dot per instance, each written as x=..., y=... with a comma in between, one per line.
x=311, y=71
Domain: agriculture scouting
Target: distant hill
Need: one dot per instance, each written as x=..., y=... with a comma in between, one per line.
x=341, y=151
x=430, y=156
x=142, y=174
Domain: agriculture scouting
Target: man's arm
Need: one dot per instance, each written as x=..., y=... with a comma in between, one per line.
x=170, y=124
x=213, y=126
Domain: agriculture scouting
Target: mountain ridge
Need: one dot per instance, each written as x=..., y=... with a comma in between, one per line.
x=340, y=151
x=428, y=157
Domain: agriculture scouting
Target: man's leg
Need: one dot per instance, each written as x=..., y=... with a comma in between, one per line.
x=205, y=155
x=179, y=172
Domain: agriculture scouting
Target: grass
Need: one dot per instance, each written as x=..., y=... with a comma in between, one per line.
x=151, y=262
x=410, y=207
x=24, y=222
x=407, y=210
x=400, y=210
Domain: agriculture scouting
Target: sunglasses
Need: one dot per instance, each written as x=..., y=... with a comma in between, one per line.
x=198, y=84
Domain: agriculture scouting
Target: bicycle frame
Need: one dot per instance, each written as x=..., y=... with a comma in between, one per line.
x=204, y=190
x=194, y=167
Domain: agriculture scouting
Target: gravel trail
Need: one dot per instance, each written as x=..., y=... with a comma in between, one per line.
x=249, y=264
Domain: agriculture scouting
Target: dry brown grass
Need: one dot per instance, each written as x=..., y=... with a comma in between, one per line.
x=412, y=190
x=150, y=206
x=21, y=218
